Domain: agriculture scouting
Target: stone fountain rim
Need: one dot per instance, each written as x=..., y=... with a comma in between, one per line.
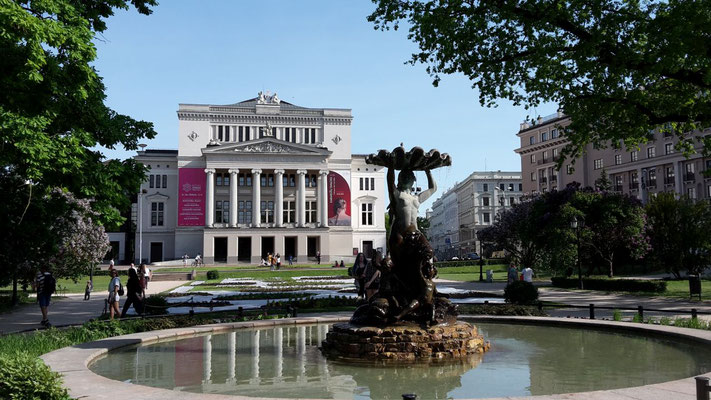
x=73, y=361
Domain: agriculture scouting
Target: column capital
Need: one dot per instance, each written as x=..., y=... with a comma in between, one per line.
x=323, y=172
x=256, y=171
x=233, y=171
x=209, y=170
x=279, y=171
x=301, y=171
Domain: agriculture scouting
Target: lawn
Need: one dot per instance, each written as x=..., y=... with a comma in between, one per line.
x=471, y=272
x=241, y=267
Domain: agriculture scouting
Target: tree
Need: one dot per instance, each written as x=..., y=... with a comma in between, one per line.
x=679, y=233
x=54, y=229
x=617, y=68
x=423, y=225
x=603, y=182
x=53, y=120
x=613, y=222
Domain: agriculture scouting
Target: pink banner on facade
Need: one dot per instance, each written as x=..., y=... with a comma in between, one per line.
x=339, y=199
x=191, y=197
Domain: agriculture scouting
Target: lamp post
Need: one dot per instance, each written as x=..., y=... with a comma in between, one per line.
x=577, y=225
x=481, y=261
x=140, y=214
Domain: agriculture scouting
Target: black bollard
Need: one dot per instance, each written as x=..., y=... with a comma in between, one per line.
x=702, y=388
x=592, y=311
x=640, y=312
x=694, y=314
x=409, y=396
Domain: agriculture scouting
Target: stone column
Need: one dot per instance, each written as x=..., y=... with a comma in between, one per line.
x=678, y=185
x=210, y=202
x=301, y=198
x=233, y=197
x=279, y=197
x=256, y=196
x=323, y=192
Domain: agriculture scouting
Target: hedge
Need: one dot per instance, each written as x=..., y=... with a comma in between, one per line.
x=26, y=377
x=463, y=263
x=521, y=293
x=613, y=285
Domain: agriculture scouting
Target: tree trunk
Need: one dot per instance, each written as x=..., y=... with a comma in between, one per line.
x=15, y=300
x=610, y=273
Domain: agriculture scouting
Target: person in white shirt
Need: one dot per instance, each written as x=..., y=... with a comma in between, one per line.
x=527, y=274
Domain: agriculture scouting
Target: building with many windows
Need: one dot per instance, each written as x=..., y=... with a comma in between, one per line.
x=471, y=205
x=654, y=167
x=256, y=177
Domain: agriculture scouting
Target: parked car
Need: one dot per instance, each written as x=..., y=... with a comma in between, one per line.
x=473, y=256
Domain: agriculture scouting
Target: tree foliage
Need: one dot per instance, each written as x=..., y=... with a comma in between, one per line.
x=53, y=120
x=679, y=230
x=617, y=68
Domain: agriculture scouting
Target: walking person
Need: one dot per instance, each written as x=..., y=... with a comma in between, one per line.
x=185, y=260
x=147, y=275
x=318, y=257
x=527, y=274
x=115, y=290
x=359, y=274
x=278, y=261
x=513, y=273
x=291, y=259
x=87, y=290
x=134, y=294
x=45, y=284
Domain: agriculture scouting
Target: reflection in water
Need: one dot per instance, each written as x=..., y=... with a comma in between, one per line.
x=286, y=362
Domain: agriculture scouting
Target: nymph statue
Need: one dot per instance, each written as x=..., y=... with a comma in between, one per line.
x=407, y=290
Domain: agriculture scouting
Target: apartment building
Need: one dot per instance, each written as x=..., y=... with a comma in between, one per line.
x=641, y=172
x=471, y=205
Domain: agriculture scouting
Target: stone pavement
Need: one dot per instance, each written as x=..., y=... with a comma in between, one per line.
x=600, y=299
x=70, y=310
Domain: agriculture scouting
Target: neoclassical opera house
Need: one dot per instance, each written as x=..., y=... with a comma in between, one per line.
x=256, y=177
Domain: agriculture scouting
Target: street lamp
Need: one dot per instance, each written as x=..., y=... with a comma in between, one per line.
x=578, y=225
x=140, y=214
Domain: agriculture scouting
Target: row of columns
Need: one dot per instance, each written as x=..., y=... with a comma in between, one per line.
x=321, y=198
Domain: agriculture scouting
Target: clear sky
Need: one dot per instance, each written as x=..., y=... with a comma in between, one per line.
x=313, y=53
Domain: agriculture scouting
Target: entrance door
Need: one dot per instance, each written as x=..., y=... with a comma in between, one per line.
x=220, y=249
x=244, y=249
x=267, y=246
x=368, y=249
x=312, y=246
x=156, y=252
x=289, y=247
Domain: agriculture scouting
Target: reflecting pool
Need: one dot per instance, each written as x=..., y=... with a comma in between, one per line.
x=523, y=360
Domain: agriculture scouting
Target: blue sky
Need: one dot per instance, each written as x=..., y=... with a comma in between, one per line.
x=314, y=54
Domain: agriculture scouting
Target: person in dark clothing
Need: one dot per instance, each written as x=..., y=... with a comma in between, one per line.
x=134, y=294
x=359, y=273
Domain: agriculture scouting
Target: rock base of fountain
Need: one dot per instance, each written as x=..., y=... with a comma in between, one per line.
x=403, y=342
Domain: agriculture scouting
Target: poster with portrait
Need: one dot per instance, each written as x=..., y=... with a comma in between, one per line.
x=339, y=198
x=191, y=197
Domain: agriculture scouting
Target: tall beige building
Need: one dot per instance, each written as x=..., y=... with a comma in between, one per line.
x=641, y=172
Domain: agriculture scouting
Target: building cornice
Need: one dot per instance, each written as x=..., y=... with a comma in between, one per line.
x=542, y=145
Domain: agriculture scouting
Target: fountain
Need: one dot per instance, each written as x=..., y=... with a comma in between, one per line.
x=407, y=319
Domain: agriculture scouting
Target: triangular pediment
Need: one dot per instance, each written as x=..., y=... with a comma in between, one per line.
x=267, y=145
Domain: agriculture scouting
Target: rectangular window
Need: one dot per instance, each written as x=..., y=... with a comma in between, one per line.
x=266, y=212
x=157, y=213
x=219, y=133
x=618, y=183
x=598, y=163
x=668, y=148
x=554, y=133
x=634, y=156
x=618, y=159
x=487, y=218
x=532, y=140
x=485, y=201
x=289, y=212
x=511, y=187
x=312, y=180
x=512, y=201
x=372, y=183
x=361, y=184
x=533, y=176
x=544, y=136
x=652, y=176
x=520, y=187
x=218, y=179
x=485, y=187
x=311, y=212
x=689, y=168
x=651, y=152
x=292, y=180
x=502, y=186
x=533, y=158
x=240, y=180
x=151, y=181
x=569, y=169
x=263, y=179
x=367, y=214
x=691, y=193
x=545, y=156
x=244, y=214
x=310, y=135
x=708, y=191
x=218, y=211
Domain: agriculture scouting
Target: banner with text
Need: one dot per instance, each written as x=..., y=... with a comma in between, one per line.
x=191, y=197
x=339, y=198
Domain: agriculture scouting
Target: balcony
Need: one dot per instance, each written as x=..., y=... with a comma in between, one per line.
x=689, y=177
x=543, y=161
x=634, y=186
x=652, y=183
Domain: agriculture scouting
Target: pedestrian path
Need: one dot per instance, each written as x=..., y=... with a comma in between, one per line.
x=69, y=310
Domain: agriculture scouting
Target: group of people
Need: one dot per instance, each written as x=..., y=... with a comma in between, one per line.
x=135, y=292
x=273, y=261
x=197, y=262
x=513, y=275
x=366, y=275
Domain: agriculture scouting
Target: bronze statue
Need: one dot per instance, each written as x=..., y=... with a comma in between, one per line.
x=407, y=291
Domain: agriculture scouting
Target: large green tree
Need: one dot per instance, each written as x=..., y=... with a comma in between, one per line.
x=617, y=68
x=53, y=119
x=679, y=231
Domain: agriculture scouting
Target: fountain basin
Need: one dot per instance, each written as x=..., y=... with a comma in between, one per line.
x=82, y=382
